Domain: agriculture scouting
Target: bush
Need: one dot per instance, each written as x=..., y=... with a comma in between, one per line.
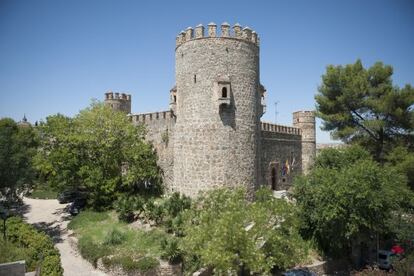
x=92, y=251
x=114, y=237
x=171, y=251
x=50, y=267
x=154, y=211
x=147, y=263
x=25, y=241
x=126, y=206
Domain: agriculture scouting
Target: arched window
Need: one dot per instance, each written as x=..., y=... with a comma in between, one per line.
x=224, y=92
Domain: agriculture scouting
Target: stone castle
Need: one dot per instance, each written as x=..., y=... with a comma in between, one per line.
x=212, y=136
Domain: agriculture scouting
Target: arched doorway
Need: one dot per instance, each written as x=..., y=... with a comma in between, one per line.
x=273, y=178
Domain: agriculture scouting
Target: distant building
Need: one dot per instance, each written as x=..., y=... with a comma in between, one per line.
x=24, y=122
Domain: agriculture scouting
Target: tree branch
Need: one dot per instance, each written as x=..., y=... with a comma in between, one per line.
x=362, y=126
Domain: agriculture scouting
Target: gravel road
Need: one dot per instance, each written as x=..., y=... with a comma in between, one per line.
x=51, y=216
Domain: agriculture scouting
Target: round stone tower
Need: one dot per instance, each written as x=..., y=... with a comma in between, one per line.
x=118, y=101
x=305, y=120
x=218, y=109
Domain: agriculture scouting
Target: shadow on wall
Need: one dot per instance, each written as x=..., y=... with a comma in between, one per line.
x=228, y=114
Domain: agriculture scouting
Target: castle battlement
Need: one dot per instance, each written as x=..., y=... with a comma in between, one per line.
x=117, y=96
x=245, y=34
x=145, y=117
x=279, y=128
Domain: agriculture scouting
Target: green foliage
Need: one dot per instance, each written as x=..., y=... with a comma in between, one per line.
x=99, y=151
x=129, y=264
x=404, y=266
x=171, y=250
x=127, y=205
x=24, y=241
x=91, y=250
x=114, y=237
x=17, y=148
x=50, y=267
x=403, y=160
x=363, y=106
x=154, y=211
x=43, y=191
x=348, y=195
x=226, y=231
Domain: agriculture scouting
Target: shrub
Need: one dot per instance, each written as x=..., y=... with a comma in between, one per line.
x=154, y=211
x=176, y=203
x=147, y=263
x=114, y=237
x=171, y=251
x=127, y=205
x=51, y=266
x=92, y=251
x=25, y=241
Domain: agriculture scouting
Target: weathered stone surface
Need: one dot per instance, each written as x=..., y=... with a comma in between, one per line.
x=213, y=137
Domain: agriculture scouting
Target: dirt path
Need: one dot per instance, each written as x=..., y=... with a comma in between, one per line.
x=53, y=218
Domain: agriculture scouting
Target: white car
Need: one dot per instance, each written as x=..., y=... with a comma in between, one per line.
x=385, y=259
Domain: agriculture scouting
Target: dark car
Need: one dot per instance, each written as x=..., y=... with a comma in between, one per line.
x=76, y=206
x=67, y=196
x=299, y=272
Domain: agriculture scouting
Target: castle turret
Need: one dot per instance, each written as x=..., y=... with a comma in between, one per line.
x=305, y=120
x=118, y=101
x=218, y=108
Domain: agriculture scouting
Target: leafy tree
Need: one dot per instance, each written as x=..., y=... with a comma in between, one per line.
x=403, y=160
x=17, y=148
x=227, y=232
x=348, y=195
x=363, y=106
x=100, y=151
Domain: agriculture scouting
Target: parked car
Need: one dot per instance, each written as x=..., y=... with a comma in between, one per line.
x=385, y=259
x=299, y=272
x=76, y=206
x=67, y=196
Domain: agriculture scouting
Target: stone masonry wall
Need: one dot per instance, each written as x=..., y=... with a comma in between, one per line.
x=160, y=129
x=217, y=138
x=281, y=152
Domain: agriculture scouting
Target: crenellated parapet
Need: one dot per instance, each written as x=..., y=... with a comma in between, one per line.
x=280, y=129
x=147, y=117
x=118, y=101
x=237, y=32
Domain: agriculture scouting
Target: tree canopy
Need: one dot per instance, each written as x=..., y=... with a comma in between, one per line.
x=227, y=232
x=17, y=148
x=99, y=151
x=364, y=106
x=347, y=195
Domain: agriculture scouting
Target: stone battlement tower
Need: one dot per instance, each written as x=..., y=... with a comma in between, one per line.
x=118, y=101
x=218, y=109
x=212, y=135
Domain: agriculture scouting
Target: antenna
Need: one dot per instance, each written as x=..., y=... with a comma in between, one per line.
x=276, y=102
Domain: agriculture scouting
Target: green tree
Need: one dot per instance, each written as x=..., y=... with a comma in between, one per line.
x=100, y=151
x=348, y=195
x=17, y=148
x=363, y=106
x=227, y=232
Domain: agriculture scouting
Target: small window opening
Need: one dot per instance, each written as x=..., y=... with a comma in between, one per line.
x=224, y=92
x=195, y=78
x=175, y=99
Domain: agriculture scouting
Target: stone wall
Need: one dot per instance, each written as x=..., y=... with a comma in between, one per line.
x=217, y=135
x=160, y=130
x=281, y=155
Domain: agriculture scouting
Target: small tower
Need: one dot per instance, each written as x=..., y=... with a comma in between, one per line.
x=118, y=101
x=24, y=122
x=305, y=120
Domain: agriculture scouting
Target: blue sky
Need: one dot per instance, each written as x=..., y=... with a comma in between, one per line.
x=55, y=56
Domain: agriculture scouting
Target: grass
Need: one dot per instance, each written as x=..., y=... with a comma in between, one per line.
x=101, y=234
x=43, y=191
